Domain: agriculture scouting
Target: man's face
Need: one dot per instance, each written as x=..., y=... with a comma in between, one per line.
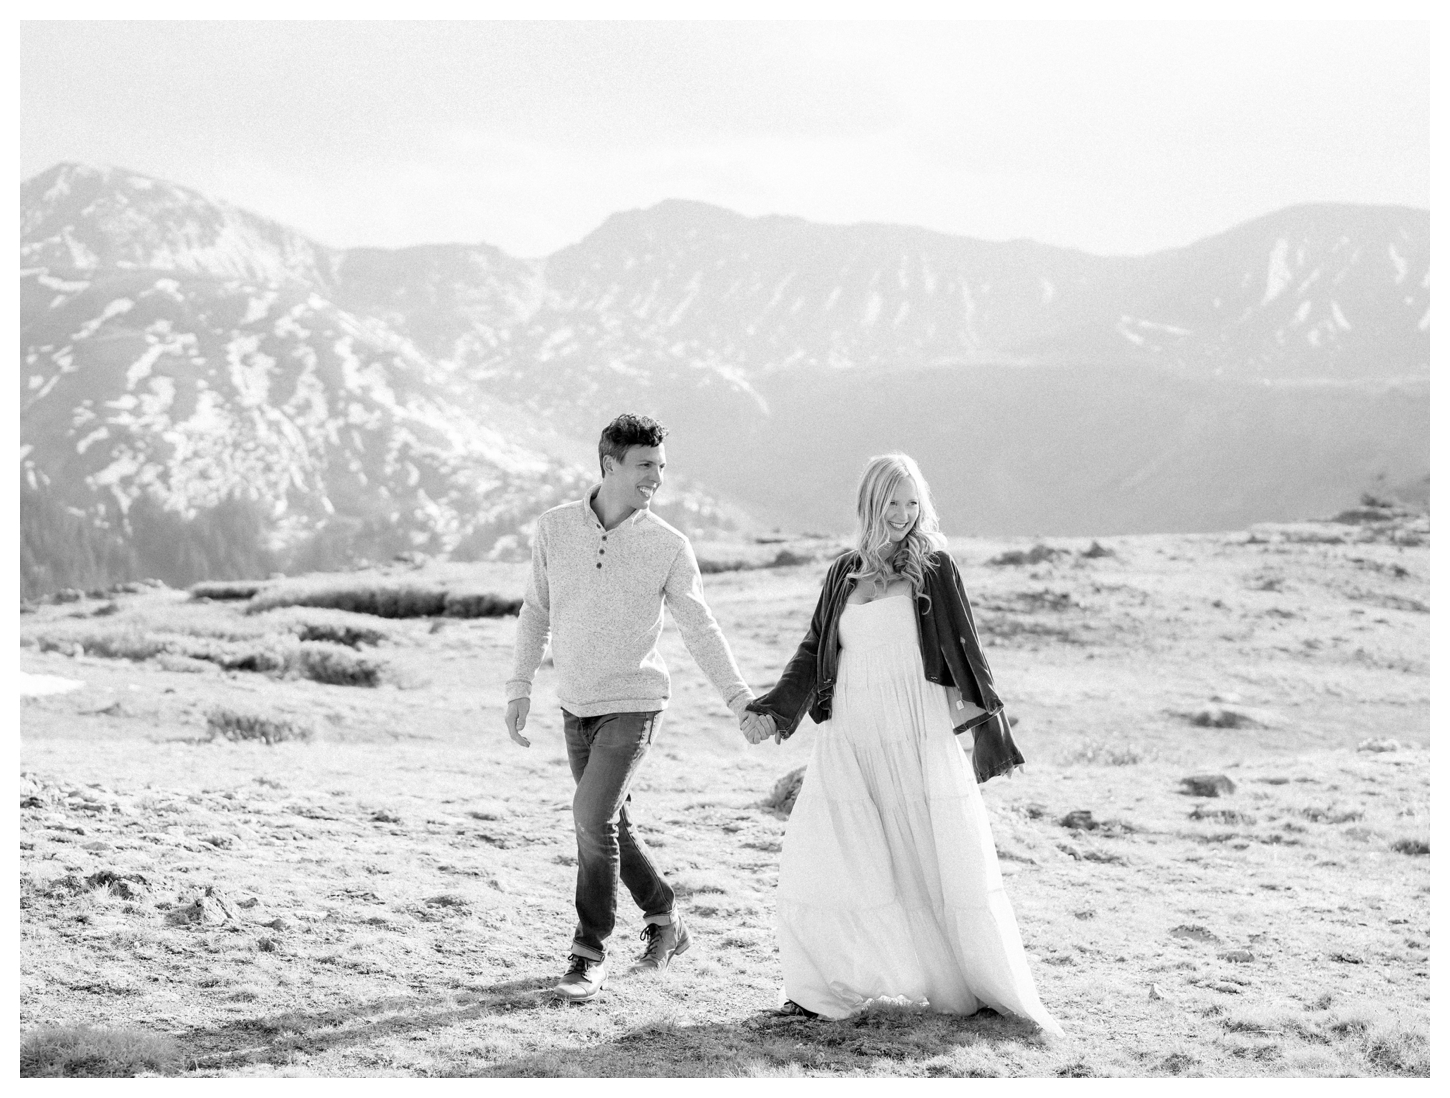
x=639, y=475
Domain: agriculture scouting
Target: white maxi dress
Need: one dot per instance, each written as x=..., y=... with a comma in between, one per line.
x=889, y=884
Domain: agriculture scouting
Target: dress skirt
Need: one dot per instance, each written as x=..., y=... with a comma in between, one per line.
x=889, y=883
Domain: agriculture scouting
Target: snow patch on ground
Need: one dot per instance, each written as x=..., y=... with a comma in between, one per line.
x=34, y=686
x=1278, y=274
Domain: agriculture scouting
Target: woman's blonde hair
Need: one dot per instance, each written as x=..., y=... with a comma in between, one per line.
x=879, y=481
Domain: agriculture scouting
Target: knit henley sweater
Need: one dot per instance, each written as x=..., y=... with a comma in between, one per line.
x=599, y=596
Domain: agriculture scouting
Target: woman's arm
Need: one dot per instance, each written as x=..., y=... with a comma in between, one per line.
x=787, y=701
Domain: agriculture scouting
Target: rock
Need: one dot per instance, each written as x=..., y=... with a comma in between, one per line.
x=1157, y=994
x=782, y=797
x=219, y=839
x=205, y=906
x=1195, y=932
x=1217, y=716
x=1207, y=785
x=1236, y=956
x=1379, y=745
x=1095, y=550
x=99, y=846
x=1079, y=819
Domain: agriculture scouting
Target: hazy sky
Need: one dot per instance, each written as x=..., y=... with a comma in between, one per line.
x=1113, y=137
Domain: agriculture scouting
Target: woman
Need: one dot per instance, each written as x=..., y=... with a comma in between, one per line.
x=889, y=884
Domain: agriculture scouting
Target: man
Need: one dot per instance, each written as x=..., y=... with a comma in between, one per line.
x=603, y=569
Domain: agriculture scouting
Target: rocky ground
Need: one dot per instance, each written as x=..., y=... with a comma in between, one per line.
x=384, y=885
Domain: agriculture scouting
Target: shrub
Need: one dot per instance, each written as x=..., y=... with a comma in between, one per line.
x=351, y=635
x=231, y=724
x=479, y=604
x=1411, y=846
x=787, y=788
x=714, y=567
x=383, y=599
x=226, y=589
x=130, y=643
x=84, y=1052
x=334, y=664
x=1036, y=555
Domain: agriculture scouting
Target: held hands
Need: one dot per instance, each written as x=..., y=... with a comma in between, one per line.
x=757, y=727
x=514, y=719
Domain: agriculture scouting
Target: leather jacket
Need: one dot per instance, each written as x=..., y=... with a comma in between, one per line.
x=950, y=654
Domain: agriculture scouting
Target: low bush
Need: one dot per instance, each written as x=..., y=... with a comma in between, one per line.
x=333, y=664
x=1411, y=846
x=353, y=636
x=226, y=589
x=784, y=558
x=86, y=1052
x=382, y=599
x=235, y=725
x=479, y=604
x=323, y=652
x=129, y=643
x=1036, y=555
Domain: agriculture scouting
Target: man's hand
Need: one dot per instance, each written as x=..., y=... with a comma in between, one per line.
x=514, y=719
x=757, y=726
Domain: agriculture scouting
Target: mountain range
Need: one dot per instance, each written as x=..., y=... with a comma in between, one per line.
x=206, y=392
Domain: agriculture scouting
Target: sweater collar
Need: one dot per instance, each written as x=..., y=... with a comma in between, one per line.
x=633, y=519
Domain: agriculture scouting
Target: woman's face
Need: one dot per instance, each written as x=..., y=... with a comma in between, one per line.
x=902, y=510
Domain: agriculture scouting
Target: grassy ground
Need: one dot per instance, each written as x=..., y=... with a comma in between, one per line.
x=393, y=895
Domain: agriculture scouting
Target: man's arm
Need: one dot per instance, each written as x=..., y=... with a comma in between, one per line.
x=685, y=596
x=529, y=641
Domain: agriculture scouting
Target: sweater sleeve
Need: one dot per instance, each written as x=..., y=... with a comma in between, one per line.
x=685, y=596
x=533, y=629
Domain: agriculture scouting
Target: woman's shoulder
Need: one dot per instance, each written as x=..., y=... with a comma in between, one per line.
x=941, y=558
x=849, y=559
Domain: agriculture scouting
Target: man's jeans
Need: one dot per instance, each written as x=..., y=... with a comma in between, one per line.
x=604, y=753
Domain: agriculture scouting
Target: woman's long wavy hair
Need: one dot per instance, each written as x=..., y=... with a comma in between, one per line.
x=879, y=555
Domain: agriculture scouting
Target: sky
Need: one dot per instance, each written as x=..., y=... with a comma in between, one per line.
x=1112, y=137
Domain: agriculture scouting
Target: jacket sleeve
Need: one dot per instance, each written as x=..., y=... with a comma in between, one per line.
x=788, y=700
x=994, y=751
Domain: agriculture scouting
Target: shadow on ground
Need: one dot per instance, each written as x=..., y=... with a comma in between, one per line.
x=911, y=1041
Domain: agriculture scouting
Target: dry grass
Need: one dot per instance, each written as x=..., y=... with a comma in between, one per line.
x=268, y=728
x=296, y=644
x=76, y=1051
x=393, y=896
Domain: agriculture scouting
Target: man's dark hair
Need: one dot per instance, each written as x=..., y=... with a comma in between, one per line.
x=626, y=431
